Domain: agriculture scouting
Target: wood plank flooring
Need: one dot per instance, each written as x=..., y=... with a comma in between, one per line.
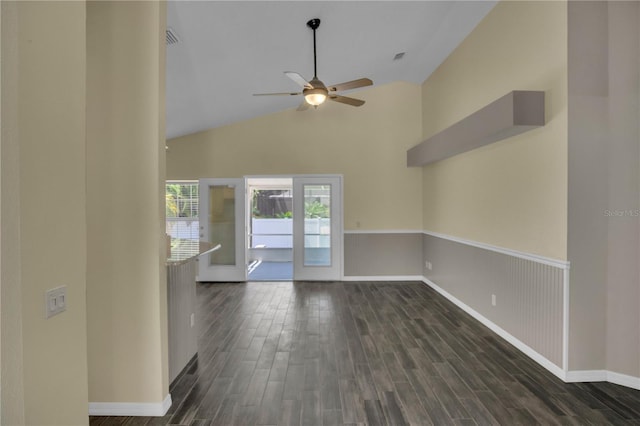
x=366, y=354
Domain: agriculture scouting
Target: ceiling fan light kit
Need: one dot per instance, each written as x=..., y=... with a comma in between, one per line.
x=315, y=97
x=314, y=91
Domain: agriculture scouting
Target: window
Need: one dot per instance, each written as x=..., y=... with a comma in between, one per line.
x=182, y=210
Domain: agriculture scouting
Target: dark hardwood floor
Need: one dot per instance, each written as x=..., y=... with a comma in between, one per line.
x=366, y=354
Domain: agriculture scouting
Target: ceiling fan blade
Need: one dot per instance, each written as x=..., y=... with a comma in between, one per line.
x=353, y=84
x=298, y=79
x=346, y=100
x=278, y=94
x=303, y=106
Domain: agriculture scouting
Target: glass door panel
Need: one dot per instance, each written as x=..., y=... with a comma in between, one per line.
x=317, y=223
x=222, y=221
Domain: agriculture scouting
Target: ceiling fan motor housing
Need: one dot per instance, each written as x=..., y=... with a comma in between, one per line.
x=313, y=23
x=317, y=93
x=317, y=84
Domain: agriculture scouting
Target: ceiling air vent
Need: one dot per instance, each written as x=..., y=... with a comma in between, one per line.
x=172, y=38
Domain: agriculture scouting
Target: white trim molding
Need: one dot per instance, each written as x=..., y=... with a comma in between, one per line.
x=603, y=376
x=586, y=376
x=382, y=278
x=382, y=231
x=155, y=409
x=623, y=380
x=562, y=264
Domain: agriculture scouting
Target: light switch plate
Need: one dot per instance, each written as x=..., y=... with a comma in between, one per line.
x=55, y=301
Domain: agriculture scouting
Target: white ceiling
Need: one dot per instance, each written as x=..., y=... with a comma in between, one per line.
x=229, y=50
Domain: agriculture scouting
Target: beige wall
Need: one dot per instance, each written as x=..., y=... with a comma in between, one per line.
x=43, y=213
x=126, y=274
x=12, y=384
x=54, y=234
x=512, y=193
x=161, y=201
x=367, y=145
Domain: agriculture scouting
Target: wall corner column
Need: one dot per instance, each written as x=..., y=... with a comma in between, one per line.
x=126, y=277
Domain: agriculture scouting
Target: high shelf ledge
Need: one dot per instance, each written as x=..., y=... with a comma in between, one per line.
x=512, y=114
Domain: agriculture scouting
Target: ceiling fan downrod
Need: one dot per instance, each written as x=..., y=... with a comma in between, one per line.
x=314, y=24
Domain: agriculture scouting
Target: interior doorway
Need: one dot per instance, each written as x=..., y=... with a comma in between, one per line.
x=270, y=229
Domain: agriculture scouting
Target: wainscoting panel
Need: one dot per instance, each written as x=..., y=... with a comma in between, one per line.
x=380, y=254
x=529, y=294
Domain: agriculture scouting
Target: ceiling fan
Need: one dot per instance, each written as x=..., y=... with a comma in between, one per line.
x=315, y=92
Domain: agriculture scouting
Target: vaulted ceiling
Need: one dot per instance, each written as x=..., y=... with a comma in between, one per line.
x=229, y=50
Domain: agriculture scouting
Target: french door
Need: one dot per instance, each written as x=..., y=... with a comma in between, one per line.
x=317, y=228
x=222, y=221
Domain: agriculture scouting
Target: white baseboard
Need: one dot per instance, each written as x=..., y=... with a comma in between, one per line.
x=603, y=376
x=577, y=376
x=524, y=348
x=382, y=278
x=156, y=409
x=623, y=380
x=383, y=231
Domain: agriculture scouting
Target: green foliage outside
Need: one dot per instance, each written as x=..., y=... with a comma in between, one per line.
x=316, y=210
x=257, y=214
x=181, y=200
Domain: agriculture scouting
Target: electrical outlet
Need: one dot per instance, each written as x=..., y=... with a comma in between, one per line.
x=427, y=264
x=493, y=300
x=55, y=301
